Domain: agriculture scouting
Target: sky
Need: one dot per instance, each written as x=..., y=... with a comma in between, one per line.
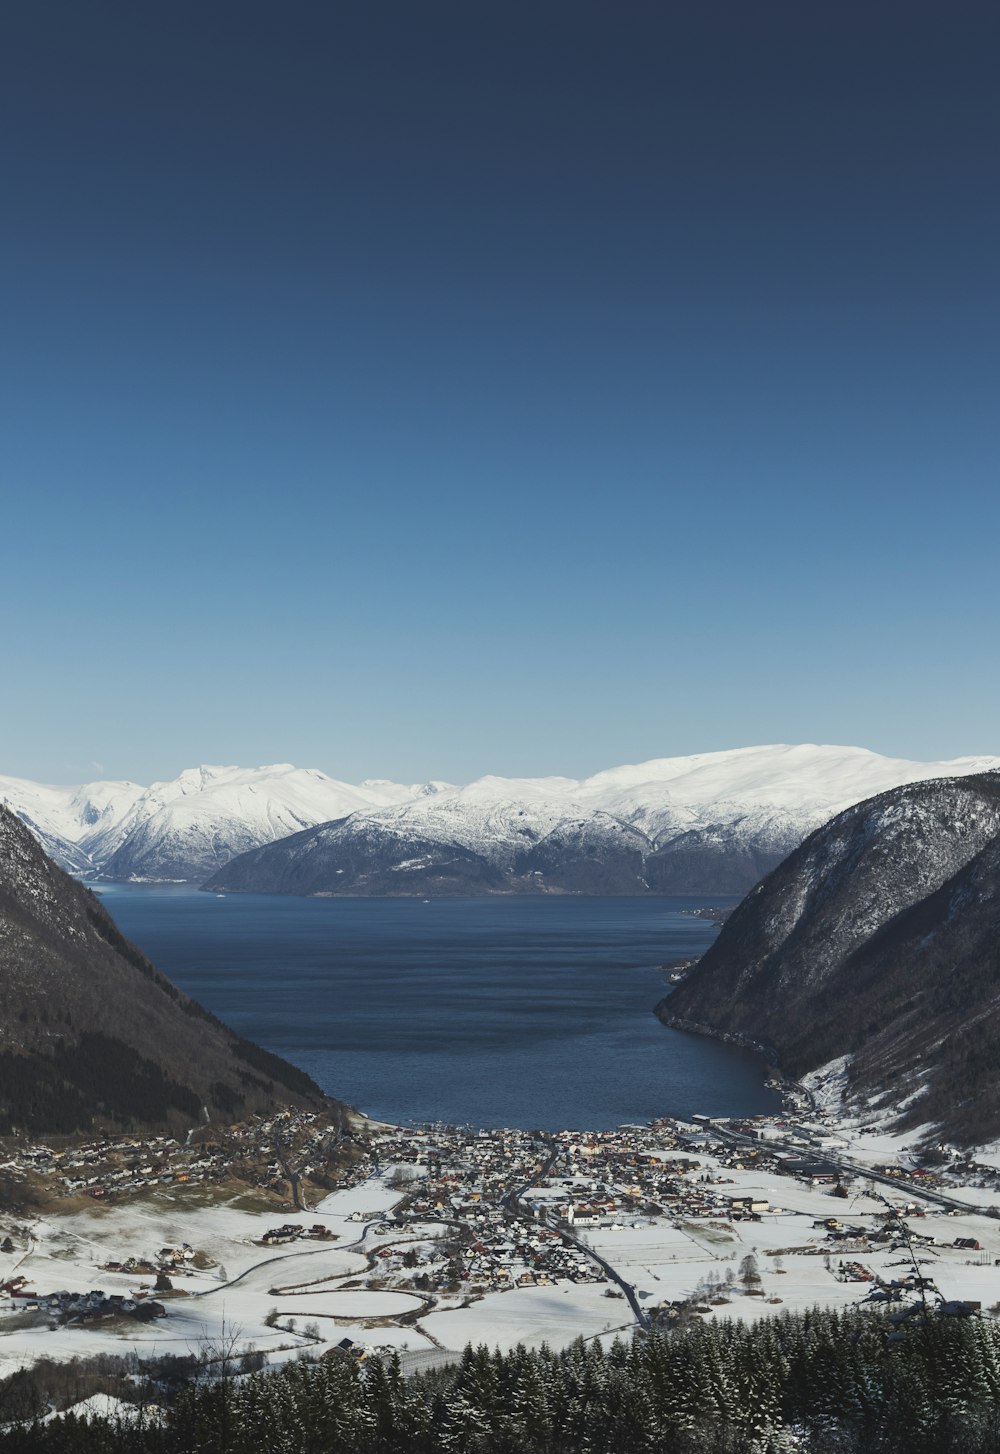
x=426, y=390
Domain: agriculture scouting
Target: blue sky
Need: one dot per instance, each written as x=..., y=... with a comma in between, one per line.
x=421, y=391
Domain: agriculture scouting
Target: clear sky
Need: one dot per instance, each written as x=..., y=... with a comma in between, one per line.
x=430, y=389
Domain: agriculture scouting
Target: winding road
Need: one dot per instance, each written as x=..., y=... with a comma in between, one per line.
x=512, y=1202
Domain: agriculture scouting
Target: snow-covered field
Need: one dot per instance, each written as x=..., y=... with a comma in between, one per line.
x=308, y=1295
x=226, y=1304
x=531, y=1315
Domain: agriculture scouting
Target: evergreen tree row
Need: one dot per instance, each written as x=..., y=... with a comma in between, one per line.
x=825, y=1382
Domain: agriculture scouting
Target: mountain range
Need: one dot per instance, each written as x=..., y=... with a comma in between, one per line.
x=93, y=1036
x=712, y=823
x=183, y=830
x=868, y=963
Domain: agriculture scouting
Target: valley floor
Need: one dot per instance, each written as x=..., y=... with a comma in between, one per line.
x=502, y=1238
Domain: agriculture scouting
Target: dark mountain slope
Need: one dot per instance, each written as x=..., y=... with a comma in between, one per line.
x=876, y=939
x=331, y=859
x=91, y=1034
x=709, y=862
x=368, y=856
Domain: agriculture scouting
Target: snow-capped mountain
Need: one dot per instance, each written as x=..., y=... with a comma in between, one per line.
x=867, y=961
x=68, y=821
x=712, y=823
x=187, y=828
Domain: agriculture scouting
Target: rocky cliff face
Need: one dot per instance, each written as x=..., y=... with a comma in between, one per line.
x=92, y=1035
x=876, y=941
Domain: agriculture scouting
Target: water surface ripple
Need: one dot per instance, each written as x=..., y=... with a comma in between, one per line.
x=495, y=1011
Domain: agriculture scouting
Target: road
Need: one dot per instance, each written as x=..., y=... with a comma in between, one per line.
x=641, y=1316
x=512, y=1202
x=854, y=1168
x=512, y=1198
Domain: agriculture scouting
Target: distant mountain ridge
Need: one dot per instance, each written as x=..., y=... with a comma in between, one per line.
x=93, y=1036
x=868, y=962
x=710, y=823
x=184, y=829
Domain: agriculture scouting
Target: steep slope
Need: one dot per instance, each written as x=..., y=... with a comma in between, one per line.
x=878, y=941
x=186, y=828
x=66, y=821
x=713, y=823
x=91, y=1034
x=449, y=848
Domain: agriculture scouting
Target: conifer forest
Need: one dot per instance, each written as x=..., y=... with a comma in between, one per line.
x=820, y=1382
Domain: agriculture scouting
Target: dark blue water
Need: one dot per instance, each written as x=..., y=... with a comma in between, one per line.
x=496, y=1011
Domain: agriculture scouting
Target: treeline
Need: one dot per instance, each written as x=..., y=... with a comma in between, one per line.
x=822, y=1382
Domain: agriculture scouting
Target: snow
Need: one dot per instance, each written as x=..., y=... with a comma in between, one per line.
x=202, y=817
x=532, y=1316
x=229, y=1301
x=65, y=820
x=207, y=815
x=798, y=787
x=100, y=1406
x=319, y=1290
x=773, y=795
x=989, y=1155
x=357, y=1305
x=827, y=1084
x=70, y=813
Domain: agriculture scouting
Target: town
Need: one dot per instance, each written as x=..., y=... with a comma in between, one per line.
x=310, y=1236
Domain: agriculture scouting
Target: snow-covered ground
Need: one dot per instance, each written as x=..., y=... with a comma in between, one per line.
x=227, y=1303
x=307, y=1295
x=770, y=796
x=531, y=1315
x=198, y=820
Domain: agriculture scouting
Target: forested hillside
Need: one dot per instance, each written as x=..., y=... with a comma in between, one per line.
x=817, y=1383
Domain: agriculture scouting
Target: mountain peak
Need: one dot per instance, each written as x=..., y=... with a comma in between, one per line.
x=707, y=822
